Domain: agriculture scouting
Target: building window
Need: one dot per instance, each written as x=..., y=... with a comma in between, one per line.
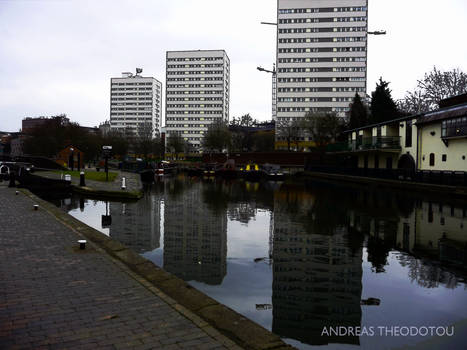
x=408, y=133
x=445, y=157
x=432, y=159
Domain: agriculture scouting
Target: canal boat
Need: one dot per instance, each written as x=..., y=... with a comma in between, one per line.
x=227, y=170
x=194, y=171
x=165, y=168
x=252, y=172
x=209, y=170
x=273, y=172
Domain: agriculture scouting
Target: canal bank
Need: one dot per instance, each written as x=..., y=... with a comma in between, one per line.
x=53, y=293
x=296, y=257
x=101, y=189
x=457, y=191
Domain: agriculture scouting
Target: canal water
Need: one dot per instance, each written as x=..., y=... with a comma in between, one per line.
x=310, y=261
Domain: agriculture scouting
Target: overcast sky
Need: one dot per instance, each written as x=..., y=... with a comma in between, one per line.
x=57, y=56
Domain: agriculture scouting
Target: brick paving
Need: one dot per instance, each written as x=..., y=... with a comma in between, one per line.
x=54, y=296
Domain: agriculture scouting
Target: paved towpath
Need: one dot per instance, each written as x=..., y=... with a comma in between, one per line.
x=53, y=295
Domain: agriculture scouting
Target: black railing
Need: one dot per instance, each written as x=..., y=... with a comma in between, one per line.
x=376, y=143
x=449, y=178
x=367, y=143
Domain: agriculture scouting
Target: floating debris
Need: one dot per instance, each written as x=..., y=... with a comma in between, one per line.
x=263, y=306
x=370, y=301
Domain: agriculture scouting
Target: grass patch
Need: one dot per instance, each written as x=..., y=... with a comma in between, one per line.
x=91, y=175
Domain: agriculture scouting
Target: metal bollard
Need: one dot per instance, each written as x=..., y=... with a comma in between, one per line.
x=36, y=207
x=82, y=182
x=17, y=192
x=82, y=244
x=123, y=183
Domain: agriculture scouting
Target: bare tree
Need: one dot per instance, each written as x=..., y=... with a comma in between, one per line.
x=176, y=144
x=218, y=137
x=247, y=120
x=437, y=85
x=288, y=131
x=434, y=87
x=323, y=127
x=413, y=103
x=144, y=139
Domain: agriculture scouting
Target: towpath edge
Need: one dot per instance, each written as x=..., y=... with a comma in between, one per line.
x=220, y=322
x=100, y=189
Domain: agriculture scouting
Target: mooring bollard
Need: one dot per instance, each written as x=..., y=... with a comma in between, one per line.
x=36, y=207
x=123, y=183
x=82, y=183
x=82, y=244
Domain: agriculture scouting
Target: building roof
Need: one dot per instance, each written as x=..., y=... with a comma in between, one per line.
x=454, y=100
x=459, y=110
x=443, y=113
x=413, y=116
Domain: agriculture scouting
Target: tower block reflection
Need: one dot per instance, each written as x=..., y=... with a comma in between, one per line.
x=317, y=278
x=195, y=238
x=137, y=225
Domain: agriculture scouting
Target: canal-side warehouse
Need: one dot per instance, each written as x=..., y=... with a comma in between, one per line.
x=434, y=141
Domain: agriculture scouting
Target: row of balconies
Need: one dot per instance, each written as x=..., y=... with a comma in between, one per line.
x=367, y=144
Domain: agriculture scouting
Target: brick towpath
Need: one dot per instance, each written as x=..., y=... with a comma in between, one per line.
x=53, y=295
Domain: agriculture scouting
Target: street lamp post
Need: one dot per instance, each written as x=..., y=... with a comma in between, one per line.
x=378, y=32
x=274, y=86
x=274, y=80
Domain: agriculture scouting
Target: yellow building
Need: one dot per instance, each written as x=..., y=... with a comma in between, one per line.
x=442, y=139
x=388, y=145
x=434, y=141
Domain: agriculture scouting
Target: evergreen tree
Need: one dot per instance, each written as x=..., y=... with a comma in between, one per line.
x=383, y=107
x=358, y=113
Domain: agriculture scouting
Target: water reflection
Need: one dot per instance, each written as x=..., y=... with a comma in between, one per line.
x=317, y=273
x=195, y=237
x=137, y=224
x=297, y=257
